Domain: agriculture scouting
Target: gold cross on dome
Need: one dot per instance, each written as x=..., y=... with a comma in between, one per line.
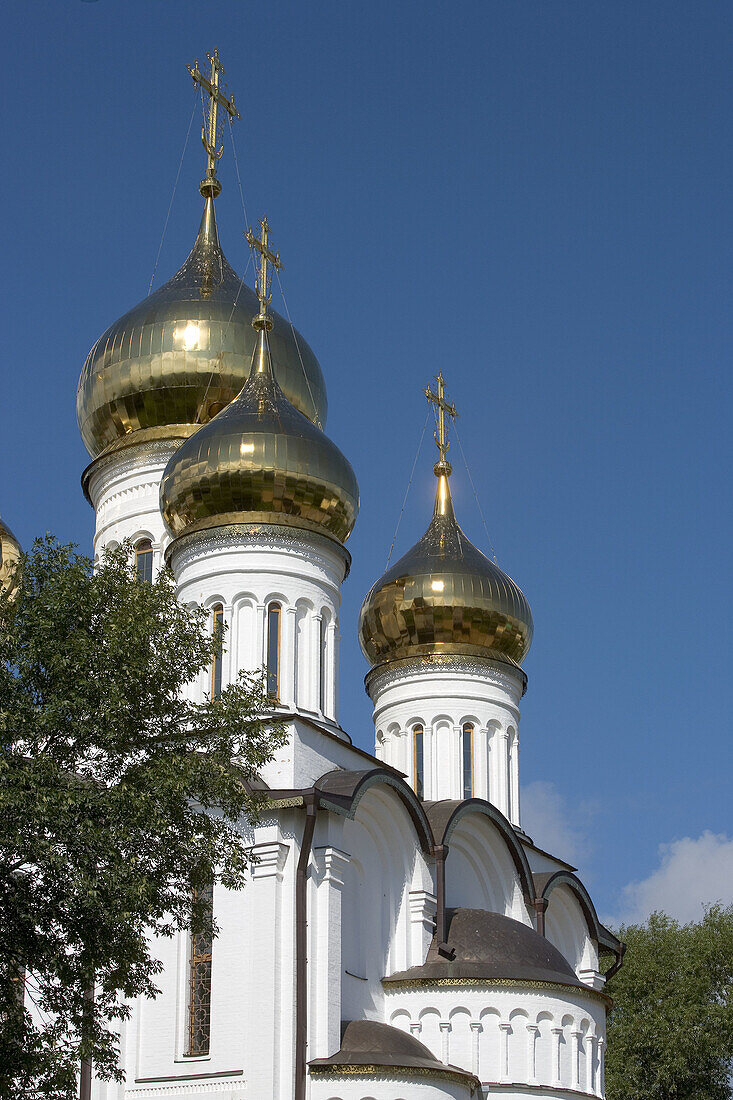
x=216, y=99
x=443, y=406
x=267, y=258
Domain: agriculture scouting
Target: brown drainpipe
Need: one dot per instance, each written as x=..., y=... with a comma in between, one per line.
x=540, y=906
x=614, y=969
x=440, y=851
x=310, y=801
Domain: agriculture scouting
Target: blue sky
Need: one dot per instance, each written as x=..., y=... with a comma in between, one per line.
x=533, y=196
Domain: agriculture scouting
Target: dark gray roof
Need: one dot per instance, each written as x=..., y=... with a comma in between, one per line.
x=491, y=946
x=370, y=1043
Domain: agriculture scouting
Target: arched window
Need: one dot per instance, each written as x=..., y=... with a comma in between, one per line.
x=144, y=560
x=199, y=980
x=273, y=651
x=217, y=632
x=322, y=666
x=418, y=760
x=467, y=759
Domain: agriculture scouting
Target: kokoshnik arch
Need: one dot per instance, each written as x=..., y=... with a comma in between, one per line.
x=400, y=936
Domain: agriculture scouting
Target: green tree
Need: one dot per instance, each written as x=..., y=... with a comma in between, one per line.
x=119, y=797
x=670, y=1031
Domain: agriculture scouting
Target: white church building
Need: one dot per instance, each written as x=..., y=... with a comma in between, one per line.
x=400, y=937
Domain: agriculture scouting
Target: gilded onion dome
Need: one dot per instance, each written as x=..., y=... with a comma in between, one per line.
x=260, y=460
x=9, y=556
x=181, y=355
x=444, y=596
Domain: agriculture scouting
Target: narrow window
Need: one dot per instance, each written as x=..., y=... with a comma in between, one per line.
x=467, y=751
x=273, y=651
x=323, y=670
x=199, y=994
x=417, y=742
x=217, y=632
x=144, y=560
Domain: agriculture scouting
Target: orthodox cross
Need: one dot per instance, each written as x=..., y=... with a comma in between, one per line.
x=443, y=406
x=267, y=257
x=209, y=130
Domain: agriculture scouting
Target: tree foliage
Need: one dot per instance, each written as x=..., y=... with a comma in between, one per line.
x=670, y=1031
x=119, y=797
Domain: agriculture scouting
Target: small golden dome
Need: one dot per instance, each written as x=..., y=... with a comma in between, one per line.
x=260, y=461
x=445, y=597
x=9, y=556
x=183, y=354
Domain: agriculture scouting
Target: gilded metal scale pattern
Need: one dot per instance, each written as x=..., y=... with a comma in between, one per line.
x=182, y=354
x=444, y=595
x=260, y=461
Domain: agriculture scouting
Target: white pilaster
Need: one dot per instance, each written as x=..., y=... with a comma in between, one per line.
x=287, y=658
x=445, y=1030
x=316, y=657
x=556, y=1067
x=476, y=1028
x=480, y=763
x=514, y=817
x=325, y=1036
x=577, y=1037
x=590, y=1062
x=532, y=1033
x=502, y=756
x=263, y=1026
x=505, y=1030
x=422, y=924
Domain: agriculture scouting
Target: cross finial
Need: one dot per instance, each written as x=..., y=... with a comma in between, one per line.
x=443, y=406
x=267, y=257
x=211, y=185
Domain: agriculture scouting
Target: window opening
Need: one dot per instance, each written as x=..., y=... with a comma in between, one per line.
x=217, y=632
x=144, y=560
x=273, y=651
x=467, y=751
x=418, y=762
x=199, y=1002
x=323, y=670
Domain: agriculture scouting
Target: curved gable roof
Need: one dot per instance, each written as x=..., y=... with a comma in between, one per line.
x=445, y=815
x=548, y=881
x=347, y=788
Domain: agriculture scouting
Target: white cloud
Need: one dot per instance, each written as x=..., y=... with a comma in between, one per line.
x=552, y=824
x=691, y=874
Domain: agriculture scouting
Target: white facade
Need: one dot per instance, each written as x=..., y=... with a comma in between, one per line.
x=372, y=887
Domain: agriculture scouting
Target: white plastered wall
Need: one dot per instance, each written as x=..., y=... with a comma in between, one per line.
x=389, y=903
x=567, y=928
x=534, y=1038
x=385, y=1087
x=480, y=872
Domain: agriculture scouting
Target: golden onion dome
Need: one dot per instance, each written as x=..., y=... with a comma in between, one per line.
x=445, y=597
x=9, y=556
x=183, y=353
x=260, y=460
